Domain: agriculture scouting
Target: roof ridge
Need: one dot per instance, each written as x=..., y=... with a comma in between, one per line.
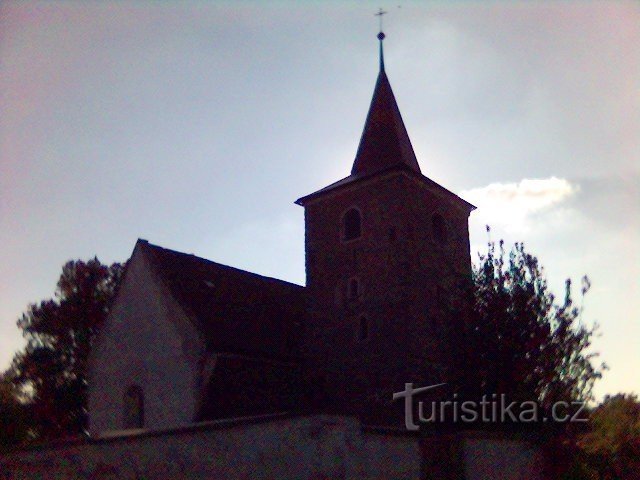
x=399, y=167
x=217, y=264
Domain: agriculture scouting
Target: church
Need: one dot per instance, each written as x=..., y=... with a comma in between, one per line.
x=202, y=370
x=387, y=271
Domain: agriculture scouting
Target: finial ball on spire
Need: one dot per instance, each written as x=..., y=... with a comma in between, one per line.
x=381, y=36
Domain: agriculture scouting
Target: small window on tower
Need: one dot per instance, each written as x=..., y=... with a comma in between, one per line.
x=339, y=294
x=442, y=298
x=352, y=228
x=439, y=227
x=363, y=329
x=393, y=235
x=354, y=289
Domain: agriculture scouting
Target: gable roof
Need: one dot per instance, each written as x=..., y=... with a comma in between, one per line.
x=235, y=310
x=357, y=179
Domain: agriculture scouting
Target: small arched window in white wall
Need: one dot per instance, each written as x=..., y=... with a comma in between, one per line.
x=134, y=407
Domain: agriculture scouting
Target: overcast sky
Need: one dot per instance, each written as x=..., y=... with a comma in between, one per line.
x=196, y=125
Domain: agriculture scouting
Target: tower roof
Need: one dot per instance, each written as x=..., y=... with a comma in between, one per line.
x=384, y=142
x=385, y=146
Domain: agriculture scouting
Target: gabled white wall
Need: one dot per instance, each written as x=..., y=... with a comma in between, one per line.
x=146, y=340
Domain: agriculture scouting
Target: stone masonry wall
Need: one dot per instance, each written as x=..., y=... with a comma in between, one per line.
x=402, y=271
x=278, y=447
x=320, y=447
x=147, y=341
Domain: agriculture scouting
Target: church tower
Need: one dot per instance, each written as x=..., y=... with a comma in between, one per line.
x=388, y=269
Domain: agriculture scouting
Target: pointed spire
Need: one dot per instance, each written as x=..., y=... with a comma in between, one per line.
x=384, y=142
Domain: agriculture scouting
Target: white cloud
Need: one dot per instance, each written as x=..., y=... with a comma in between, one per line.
x=511, y=205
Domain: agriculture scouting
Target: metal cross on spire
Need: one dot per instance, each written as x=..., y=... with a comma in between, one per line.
x=380, y=13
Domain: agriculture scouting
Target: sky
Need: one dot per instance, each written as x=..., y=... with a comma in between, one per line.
x=195, y=125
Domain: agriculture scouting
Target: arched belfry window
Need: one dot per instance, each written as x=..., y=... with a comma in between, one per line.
x=352, y=224
x=134, y=407
x=439, y=228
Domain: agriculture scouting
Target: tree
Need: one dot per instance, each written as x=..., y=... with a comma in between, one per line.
x=612, y=446
x=521, y=342
x=14, y=427
x=52, y=368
